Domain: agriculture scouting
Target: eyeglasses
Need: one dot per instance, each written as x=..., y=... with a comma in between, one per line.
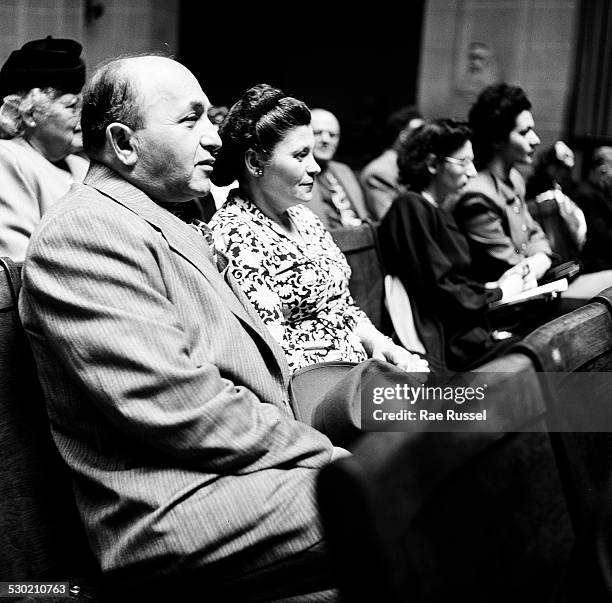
x=464, y=162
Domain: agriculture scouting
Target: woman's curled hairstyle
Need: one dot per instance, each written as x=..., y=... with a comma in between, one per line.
x=16, y=107
x=259, y=120
x=492, y=118
x=439, y=138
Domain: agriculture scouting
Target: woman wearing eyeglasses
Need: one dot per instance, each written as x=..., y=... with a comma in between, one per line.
x=423, y=247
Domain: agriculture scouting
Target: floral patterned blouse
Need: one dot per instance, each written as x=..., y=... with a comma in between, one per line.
x=300, y=289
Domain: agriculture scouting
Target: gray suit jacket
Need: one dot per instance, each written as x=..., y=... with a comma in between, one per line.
x=379, y=180
x=166, y=394
x=321, y=204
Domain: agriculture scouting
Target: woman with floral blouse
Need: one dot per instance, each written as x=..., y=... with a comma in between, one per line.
x=278, y=250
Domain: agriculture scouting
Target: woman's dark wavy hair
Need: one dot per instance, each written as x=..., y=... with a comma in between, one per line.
x=492, y=118
x=441, y=137
x=259, y=121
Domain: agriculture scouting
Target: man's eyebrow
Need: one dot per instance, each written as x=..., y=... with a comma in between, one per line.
x=195, y=105
x=199, y=105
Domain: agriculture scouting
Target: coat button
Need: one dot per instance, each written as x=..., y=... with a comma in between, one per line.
x=516, y=209
x=524, y=227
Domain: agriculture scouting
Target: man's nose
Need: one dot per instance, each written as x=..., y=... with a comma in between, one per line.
x=471, y=170
x=210, y=137
x=535, y=139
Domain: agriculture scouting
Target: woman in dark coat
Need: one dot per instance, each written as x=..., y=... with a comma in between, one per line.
x=422, y=246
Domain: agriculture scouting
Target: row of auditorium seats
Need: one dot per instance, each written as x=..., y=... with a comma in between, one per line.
x=486, y=514
x=483, y=515
x=360, y=246
x=491, y=513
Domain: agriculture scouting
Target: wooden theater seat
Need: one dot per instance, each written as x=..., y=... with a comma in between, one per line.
x=359, y=245
x=470, y=515
x=574, y=353
x=41, y=536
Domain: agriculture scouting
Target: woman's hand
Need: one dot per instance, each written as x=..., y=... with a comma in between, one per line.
x=538, y=263
x=385, y=349
x=381, y=347
x=516, y=279
x=511, y=282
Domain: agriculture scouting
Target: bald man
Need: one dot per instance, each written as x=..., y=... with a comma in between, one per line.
x=337, y=197
x=167, y=396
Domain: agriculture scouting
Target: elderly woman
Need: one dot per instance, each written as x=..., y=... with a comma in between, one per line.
x=279, y=252
x=40, y=88
x=423, y=247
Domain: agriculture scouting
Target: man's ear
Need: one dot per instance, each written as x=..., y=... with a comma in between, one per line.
x=253, y=163
x=122, y=143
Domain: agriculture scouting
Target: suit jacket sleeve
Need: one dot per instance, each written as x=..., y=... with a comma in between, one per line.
x=107, y=310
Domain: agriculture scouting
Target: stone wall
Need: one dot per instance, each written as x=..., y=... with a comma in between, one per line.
x=532, y=42
x=123, y=27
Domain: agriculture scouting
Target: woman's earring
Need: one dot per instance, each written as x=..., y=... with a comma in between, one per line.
x=258, y=172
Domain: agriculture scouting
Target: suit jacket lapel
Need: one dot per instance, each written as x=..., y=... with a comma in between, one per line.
x=351, y=187
x=183, y=240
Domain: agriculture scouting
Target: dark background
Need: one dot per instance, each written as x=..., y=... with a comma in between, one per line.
x=361, y=65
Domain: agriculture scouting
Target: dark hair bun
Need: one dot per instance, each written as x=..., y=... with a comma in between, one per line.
x=261, y=99
x=258, y=121
x=238, y=130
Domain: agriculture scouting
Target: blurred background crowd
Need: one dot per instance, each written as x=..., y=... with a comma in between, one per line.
x=371, y=80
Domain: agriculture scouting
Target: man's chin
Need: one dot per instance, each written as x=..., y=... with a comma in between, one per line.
x=202, y=189
x=76, y=144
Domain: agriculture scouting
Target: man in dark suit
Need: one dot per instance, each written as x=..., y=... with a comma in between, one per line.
x=337, y=197
x=167, y=397
x=594, y=197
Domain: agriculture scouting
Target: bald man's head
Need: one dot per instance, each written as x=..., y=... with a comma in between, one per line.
x=116, y=92
x=147, y=120
x=326, y=130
